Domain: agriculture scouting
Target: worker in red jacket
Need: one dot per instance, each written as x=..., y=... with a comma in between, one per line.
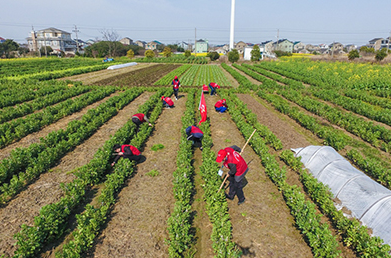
x=126, y=151
x=175, y=86
x=167, y=102
x=195, y=134
x=237, y=170
x=205, y=88
x=138, y=119
x=221, y=106
x=213, y=86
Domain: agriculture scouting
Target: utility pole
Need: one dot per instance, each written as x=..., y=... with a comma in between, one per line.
x=388, y=43
x=195, y=42
x=44, y=38
x=77, y=39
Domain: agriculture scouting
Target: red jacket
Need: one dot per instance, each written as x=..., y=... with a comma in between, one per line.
x=140, y=117
x=175, y=84
x=132, y=149
x=220, y=104
x=205, y=88
x=169, y=101
x=234, y=158
x=214, y=85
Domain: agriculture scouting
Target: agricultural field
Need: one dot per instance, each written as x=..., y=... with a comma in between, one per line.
x=60, y=196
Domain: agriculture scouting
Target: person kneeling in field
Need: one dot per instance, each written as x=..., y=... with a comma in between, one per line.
x=237, y=171
x=126, y=151
x=195, y=134
x=221, y=106
x=167, y=102
x=213, y=86
x=138, y=119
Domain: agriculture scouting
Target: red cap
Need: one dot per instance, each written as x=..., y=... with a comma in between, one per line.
x=176, y=77
x=221, y=155
x=162, y=98
x=224, y=100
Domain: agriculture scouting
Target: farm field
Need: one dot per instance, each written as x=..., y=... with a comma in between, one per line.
x=60, y=197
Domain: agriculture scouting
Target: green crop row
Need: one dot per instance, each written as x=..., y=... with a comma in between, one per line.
x=52, y=221
x=167, y=79
x=26, y=164
x=179, y=224
x=316, y=233
x=17, y=129
x=353, y=234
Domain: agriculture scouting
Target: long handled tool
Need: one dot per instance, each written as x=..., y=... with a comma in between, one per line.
x=226, y=177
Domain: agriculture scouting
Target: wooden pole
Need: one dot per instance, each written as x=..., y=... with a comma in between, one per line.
x=226, y=177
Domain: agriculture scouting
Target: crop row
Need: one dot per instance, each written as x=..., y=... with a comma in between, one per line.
x=317, y=234
x=167, y=79
x=179, y=59
x=26, y=108
x=180, y=222
x=52, y=221
x=26, y=164
x=16, y=129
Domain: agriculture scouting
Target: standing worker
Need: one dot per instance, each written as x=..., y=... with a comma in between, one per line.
x=213, y=87
x=138, y=119
x=195, y=134
x=237, y=171
x=175, y=86
x=167, y=102
x=221, y=106
x=126, y=151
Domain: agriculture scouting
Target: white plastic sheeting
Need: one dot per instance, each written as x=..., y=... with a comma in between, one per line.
x=368, y=201
x=113, y=67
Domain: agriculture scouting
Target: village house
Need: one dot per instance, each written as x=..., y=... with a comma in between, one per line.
x=58, y=40
x=126, y=41
x=283, y=45
x=201, y=46
x=140, y=43
x=153, y=45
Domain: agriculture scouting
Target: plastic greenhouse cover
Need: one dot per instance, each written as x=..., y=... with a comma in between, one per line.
x=113, y=67
x=369, y=201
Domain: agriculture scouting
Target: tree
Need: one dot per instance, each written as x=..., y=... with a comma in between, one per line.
x=233, y=55
x=160, y=47
x=255, y=53
x=167, y=52
x=187, y=53
x=381, y=54
x=213, y=55
x=7, y=47
x=353, y=54
x=130, y=54
x=149, y=54
x=112, y=38
x=367, y=50
x=48, y=50
x=105, y=48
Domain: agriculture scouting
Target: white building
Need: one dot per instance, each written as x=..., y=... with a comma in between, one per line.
x=58, y=40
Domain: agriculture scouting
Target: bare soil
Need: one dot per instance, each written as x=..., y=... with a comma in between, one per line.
x=138, y=223
x=46, y=189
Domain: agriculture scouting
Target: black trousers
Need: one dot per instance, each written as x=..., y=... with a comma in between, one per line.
x=235, y=188
x=137, y=122
x=133, y=157
x=176, y=93
x=197, y=141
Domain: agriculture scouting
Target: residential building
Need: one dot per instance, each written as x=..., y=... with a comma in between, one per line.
x=336, y=47
x=385, y=43
x=140, y=43
x=58, y=40
x=283, y=45
x=267, y=47
x=184, y=45
x=375, y=43
x=90, y=42
x=240, y=47
x=153, y=45
x=297, y=46
x=350, y=47
x=2, y=40
x=221, y=50
x=201, y=46
x=126, y=41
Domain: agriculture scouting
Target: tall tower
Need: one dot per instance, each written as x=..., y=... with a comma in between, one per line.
x=231, y=38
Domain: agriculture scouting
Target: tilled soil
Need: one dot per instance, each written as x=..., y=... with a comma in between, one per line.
x=138, y=223
x=46, y=189
x=262, y=226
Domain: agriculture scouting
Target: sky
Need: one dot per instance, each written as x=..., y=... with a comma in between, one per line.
x=172, y=21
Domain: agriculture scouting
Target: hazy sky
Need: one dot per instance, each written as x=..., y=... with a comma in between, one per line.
x=171, y=21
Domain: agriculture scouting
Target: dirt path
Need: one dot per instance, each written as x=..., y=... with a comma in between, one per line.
x=138, y=225
x=93, y=77
x=263, y=226
x=60, y=124
x=47, y=189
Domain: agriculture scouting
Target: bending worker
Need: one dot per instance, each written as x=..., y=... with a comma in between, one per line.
x=237, y=171
x=175, y=86
x=221, y=106
x=205, y=89
x=167, y=102
x=195, y=134
x=138, y=119
x=213, y=87
x=126, y=151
